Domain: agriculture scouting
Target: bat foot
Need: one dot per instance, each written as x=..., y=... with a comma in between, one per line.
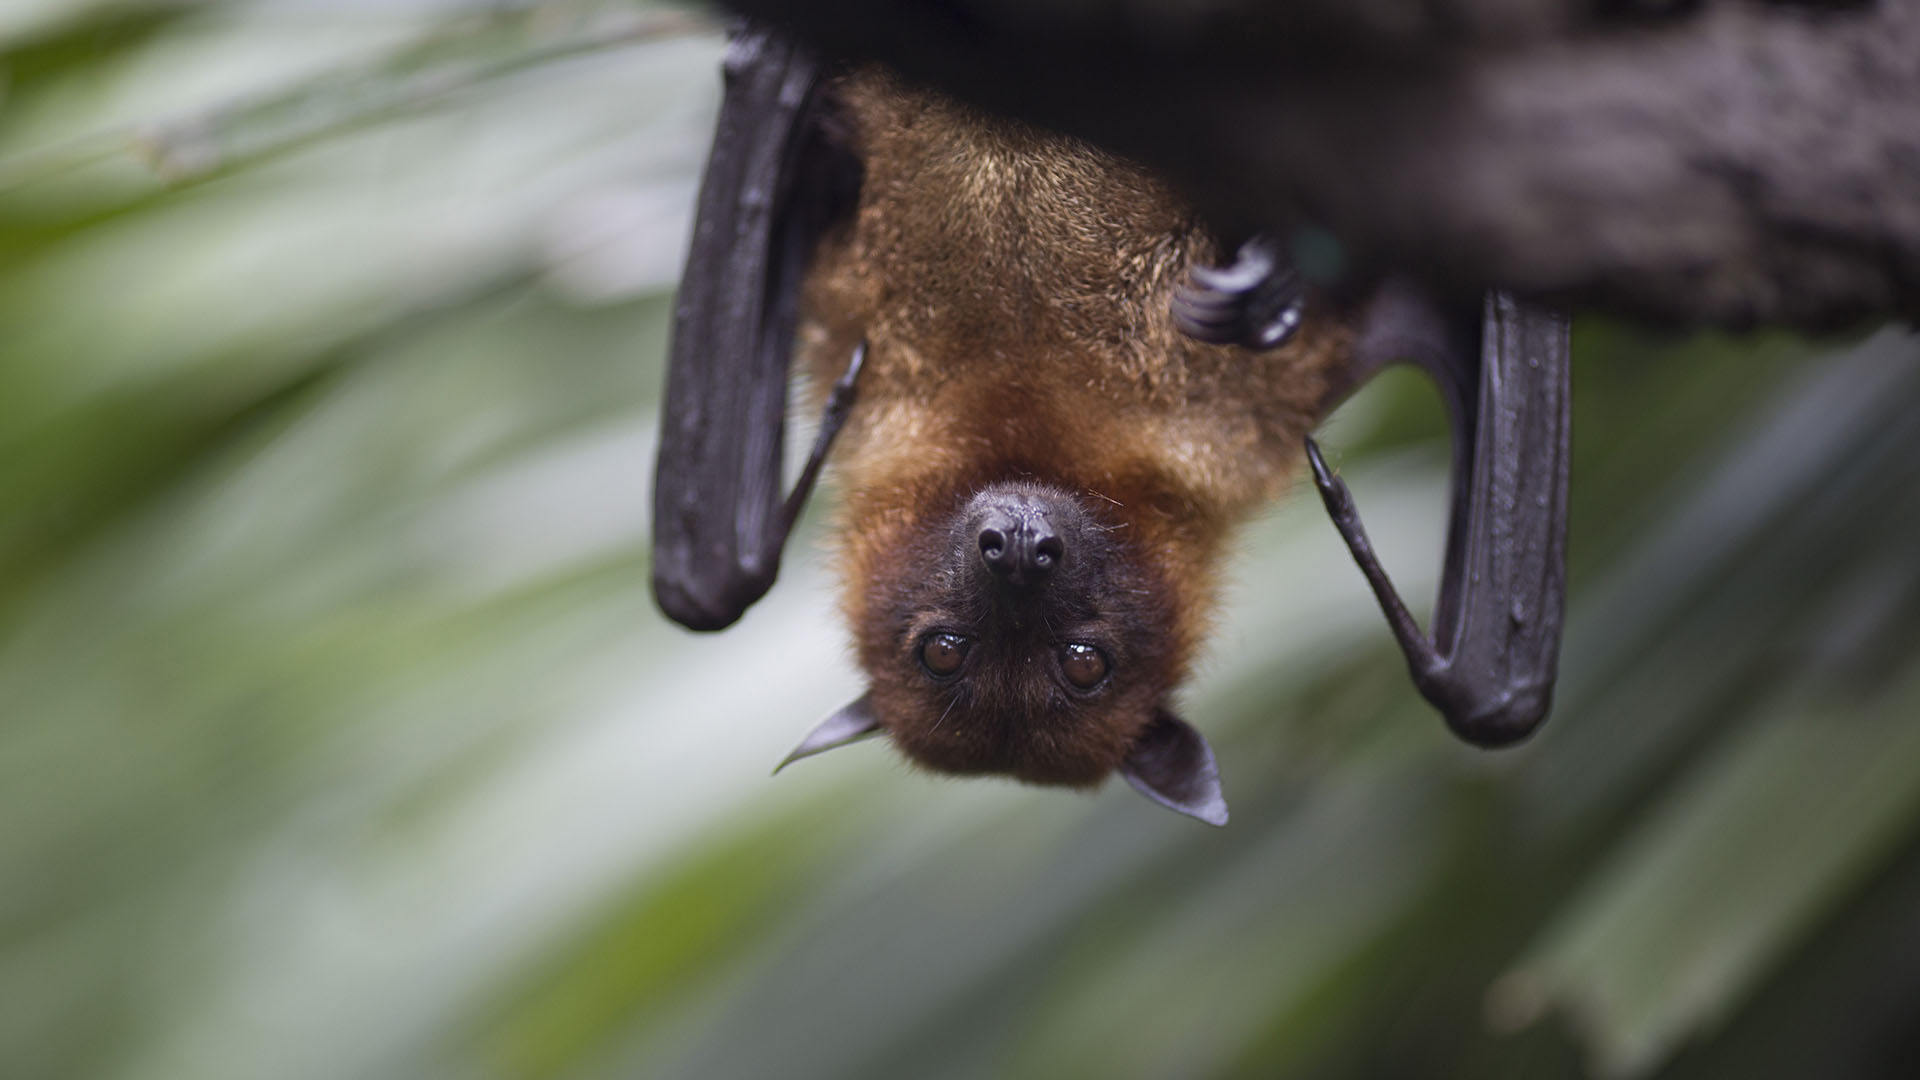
x=1257, y=302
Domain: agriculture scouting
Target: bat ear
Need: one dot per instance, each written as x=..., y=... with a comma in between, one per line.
x=1172, y=765
x=854, y=721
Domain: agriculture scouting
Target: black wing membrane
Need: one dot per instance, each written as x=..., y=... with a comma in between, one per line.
x=1490, y=664
x=777, y=179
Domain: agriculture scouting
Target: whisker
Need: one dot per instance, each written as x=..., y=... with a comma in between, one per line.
x=955, y=700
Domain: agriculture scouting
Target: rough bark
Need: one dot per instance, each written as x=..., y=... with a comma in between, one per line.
x=1728, y=164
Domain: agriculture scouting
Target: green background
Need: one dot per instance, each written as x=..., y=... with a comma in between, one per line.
x=339, y=736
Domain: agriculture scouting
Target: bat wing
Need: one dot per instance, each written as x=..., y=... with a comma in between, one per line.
x=778, y=177
x=1490, y=663
x=1503, y=595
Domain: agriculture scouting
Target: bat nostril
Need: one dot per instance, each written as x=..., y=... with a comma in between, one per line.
x=1047, y=552
x=993, y=547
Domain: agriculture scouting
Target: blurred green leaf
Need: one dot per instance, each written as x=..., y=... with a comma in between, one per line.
x=1722, y=877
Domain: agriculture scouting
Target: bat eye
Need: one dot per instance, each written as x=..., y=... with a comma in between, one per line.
x=1084, y=665
x=942, y=654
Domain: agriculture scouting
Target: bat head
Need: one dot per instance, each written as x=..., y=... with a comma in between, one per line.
x=1022, y=634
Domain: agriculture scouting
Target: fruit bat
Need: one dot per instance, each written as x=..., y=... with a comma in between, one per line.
x=1050, y=404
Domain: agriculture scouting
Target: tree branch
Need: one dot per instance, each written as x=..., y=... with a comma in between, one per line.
x=1741, y=164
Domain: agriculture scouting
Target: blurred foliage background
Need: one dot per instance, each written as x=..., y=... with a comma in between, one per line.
x=339, y=737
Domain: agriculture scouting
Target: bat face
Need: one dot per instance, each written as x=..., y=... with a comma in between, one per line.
x=1022, y=634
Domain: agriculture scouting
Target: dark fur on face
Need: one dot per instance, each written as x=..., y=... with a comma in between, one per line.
x=1019, y=580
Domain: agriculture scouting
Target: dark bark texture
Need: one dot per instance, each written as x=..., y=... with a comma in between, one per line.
x=1729, y=164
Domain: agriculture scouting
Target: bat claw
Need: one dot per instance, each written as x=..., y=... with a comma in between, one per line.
x=846, y=381
x=832, y=418
x=840, y=398
x=1257, y=301
x=1333, y=490
x=1425, y=662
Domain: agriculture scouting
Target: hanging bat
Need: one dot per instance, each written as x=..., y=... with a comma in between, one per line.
x=1049, y=409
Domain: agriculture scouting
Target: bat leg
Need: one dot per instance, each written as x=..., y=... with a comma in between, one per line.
x=832, y=418
x=1489, y=665
x=1422, y=658
x=1257, y=301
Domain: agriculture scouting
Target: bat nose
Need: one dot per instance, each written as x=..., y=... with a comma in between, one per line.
x=1020, y=550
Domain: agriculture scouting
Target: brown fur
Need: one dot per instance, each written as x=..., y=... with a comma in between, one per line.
x=1013, y=289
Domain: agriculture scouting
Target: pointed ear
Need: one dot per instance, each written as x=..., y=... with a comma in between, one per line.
x=852, y=723
x=1172, y=765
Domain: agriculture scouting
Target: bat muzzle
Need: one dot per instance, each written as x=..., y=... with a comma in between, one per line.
x=1020, y=553
x=1020, y=536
